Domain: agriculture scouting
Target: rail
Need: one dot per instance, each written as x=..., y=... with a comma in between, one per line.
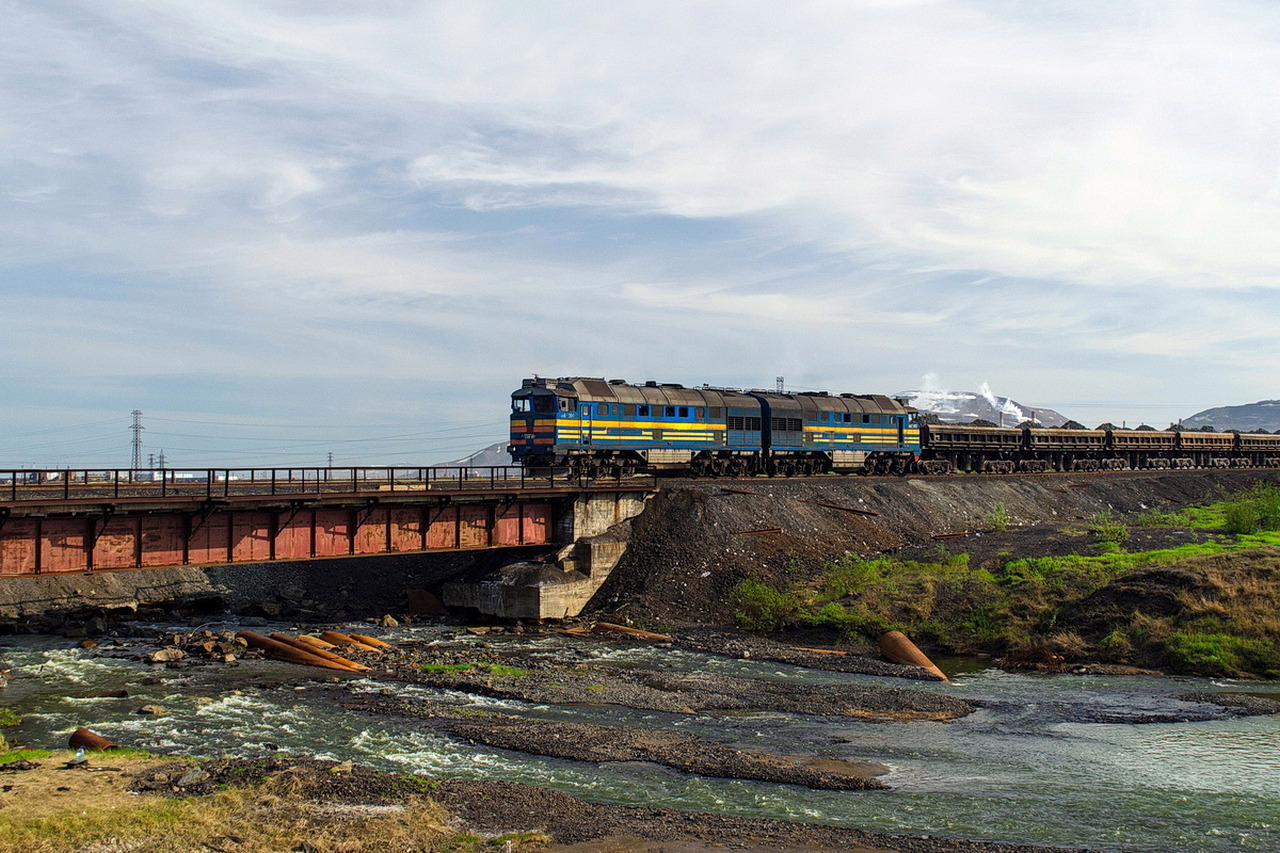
x=68, y=484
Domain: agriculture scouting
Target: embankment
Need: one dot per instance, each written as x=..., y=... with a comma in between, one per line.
x=696, y=541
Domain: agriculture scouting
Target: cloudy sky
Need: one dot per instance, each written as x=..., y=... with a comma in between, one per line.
x=287, y=229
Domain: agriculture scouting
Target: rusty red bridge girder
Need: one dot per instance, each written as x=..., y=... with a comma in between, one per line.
x=83, y=521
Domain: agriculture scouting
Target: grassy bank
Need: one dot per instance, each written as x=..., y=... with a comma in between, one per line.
x=301, y=806
x=1208, y=606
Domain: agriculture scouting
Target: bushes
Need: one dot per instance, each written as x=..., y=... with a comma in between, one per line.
x=1110, y=531
x=944, y=602
x=762, y=608
x=998, y=518
x=1256, y=511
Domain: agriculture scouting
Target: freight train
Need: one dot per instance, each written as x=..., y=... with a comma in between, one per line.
x=598, y=428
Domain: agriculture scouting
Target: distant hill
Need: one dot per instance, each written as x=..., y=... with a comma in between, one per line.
x=1264, y=414
x=961, y=407
x=494, y=454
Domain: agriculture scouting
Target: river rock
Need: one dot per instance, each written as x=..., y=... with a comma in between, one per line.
x=194, y=776
x=422, y=603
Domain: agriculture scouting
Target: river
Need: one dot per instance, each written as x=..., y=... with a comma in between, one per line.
x=1052, y=759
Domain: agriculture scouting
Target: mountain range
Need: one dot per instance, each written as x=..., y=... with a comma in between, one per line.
x=1264, y=414
x=962, y=407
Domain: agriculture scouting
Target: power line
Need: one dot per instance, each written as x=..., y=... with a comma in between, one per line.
x=280, y=425
x=401, y=437
x=67, y=428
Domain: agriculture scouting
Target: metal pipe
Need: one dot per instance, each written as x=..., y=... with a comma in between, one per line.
x=89, y=740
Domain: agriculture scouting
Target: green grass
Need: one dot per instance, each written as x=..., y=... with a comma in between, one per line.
x=475, y=667
x=1222, y=654
x=23, y=755
x=1231, y=626
x=9, y=717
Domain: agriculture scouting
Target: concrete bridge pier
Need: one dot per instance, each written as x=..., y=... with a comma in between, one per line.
x=595, y=529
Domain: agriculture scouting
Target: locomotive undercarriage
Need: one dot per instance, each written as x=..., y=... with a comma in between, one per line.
x=623, y=463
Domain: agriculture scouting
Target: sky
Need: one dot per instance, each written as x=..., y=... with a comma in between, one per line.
x=283, y=230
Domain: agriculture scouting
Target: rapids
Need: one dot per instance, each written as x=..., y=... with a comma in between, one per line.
x=1067, y=760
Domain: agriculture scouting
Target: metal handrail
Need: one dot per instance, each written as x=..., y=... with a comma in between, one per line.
x=83, y=483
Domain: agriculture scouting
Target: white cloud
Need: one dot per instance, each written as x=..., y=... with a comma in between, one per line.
x=1101, y=182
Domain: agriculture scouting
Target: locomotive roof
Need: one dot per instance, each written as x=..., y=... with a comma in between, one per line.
x=594, y=389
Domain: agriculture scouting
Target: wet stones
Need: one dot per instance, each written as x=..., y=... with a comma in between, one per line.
x=176, y=648
x=167, y=655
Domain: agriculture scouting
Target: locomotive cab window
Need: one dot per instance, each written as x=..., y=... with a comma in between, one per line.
x=566, y=404
x=520, y=404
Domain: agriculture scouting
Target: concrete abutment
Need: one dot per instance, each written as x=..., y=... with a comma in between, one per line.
x=596, y=528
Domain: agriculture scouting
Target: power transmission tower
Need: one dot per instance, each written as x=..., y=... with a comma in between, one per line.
x=137, y=439
x=781, y=383
x=161, y=459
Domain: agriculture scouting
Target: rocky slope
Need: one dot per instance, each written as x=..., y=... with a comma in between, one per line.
x=696, y=541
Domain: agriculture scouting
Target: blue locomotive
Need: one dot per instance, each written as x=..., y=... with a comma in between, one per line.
x=612, y=428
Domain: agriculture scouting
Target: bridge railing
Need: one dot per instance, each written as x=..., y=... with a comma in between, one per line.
x=70, y=484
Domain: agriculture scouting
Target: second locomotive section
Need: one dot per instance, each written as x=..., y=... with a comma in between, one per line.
x=605, y=428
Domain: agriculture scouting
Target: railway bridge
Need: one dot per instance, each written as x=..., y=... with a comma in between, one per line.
x=65, y=522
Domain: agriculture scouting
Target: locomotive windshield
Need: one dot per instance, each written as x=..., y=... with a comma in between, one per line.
x=534, y=403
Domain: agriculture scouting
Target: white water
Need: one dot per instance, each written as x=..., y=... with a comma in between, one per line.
x=1048, y=759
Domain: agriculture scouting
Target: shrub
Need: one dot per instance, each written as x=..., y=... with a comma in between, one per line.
x=1255, y=511
x=998, y=518
x=1116, y=645
x=762, y=608
x=1108, y=529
